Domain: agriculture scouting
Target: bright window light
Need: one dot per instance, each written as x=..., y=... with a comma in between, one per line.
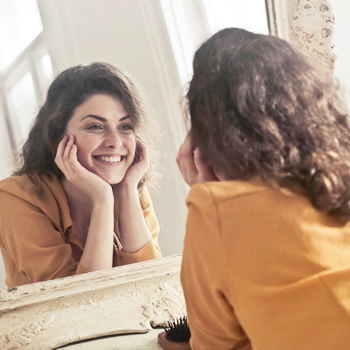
x=22, y=103
x=20, y=24
x=45, y=71
x=237, y=13
x=5, y=151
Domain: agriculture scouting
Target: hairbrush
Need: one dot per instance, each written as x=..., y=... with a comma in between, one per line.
x=177, y=330
x=176, y=334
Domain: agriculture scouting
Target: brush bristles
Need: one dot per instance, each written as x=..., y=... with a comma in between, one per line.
x=177, y=330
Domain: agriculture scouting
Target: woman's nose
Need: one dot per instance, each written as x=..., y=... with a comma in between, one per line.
x=113, y=140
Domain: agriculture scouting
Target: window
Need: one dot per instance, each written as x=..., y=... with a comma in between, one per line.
x=25, y=71
x=190, y=22
x=19, y=24
x=237, y=13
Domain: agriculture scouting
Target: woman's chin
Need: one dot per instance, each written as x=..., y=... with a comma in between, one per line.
x=111, y=180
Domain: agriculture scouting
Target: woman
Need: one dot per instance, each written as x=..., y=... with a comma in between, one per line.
x=78, y=203
x=266, y=260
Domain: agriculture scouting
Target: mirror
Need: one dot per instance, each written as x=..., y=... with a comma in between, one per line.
x=153, y=41
x=161, y=70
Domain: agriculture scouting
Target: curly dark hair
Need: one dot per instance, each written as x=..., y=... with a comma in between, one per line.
x=70, y=89
x=260, y=108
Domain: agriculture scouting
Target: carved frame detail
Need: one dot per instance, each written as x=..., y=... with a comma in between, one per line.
x=307, y=23
x=127, y=299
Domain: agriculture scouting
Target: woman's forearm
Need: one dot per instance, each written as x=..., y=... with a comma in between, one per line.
x=98, y=250
x=134, y=232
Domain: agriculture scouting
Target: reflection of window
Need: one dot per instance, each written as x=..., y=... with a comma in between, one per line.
x=19, y=24
x=5, y=151
x=25, y=69
x=238, y=13
x=21, y=98
x=189, y=23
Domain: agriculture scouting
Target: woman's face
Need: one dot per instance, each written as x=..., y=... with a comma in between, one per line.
x=104, y=136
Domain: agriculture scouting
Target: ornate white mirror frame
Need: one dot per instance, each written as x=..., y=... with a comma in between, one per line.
x=307, y=23
x=130, y=299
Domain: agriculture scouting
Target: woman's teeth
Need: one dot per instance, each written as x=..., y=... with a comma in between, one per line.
x=114, y=159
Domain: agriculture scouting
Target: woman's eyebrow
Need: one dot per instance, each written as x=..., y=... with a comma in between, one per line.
x=123, y=118
x=101, y=118
x=95, y=117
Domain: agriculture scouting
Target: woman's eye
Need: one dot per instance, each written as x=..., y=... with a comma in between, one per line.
x=126, y=127
x=95, y=127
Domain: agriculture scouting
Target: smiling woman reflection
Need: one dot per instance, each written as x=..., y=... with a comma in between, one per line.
x=79, y=202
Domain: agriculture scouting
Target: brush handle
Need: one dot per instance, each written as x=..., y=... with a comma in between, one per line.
x=171, y=345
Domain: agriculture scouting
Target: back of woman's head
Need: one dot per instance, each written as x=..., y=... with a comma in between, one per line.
x=70, y=89
x=260, y=109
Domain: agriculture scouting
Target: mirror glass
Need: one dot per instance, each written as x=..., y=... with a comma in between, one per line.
x=153, y=41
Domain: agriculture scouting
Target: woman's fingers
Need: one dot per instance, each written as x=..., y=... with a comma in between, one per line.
x=68, y=149
x=60, y=149
x=67, y=160
x=60, y=152
x=185, y=160
x=66, y=156
x=141, y=153
x=191, y=165
x=139, y=166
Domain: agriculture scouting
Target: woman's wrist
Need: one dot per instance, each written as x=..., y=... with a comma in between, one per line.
x=125, y=192
x=102, y=197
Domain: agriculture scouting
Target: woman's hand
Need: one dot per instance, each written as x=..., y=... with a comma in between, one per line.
x=134, y=232
x=86, y=181
x=138, y=168
x=190, y=164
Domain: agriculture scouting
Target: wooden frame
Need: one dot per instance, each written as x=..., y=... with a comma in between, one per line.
x=127, y=299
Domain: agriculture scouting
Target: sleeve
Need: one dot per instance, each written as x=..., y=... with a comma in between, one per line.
x=151, y=249
x=35, y=246
x=211, y=317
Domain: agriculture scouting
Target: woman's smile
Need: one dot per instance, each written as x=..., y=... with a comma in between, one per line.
x=109, y=159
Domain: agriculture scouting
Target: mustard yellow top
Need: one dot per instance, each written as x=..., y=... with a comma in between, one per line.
x=37, y=234
x=262, y=269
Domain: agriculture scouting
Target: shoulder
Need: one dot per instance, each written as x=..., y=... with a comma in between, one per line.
x=19, y=185
x=220, y=192
x=219, y=207
x=27, y=194
x=239, y=200
x=29, y=187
